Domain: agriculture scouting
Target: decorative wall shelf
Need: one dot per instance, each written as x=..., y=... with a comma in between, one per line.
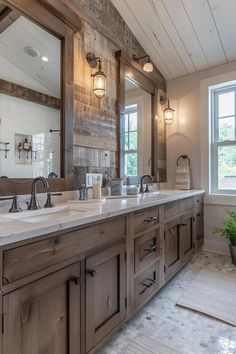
x=5, y=149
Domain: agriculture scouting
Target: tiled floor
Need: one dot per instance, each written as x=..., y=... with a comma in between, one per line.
x=184, y=330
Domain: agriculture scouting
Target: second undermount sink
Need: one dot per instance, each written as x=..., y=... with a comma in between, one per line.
x=42, y=215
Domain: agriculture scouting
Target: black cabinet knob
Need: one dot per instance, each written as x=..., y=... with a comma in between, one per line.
x=92, y=272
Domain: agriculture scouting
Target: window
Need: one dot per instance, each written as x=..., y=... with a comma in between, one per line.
x=223, y=140
x=130, y=138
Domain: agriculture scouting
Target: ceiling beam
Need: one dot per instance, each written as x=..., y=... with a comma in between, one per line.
x=7, y=17
x=25, y=93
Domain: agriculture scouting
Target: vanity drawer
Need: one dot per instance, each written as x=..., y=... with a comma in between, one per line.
x=147, y=283
x=170, y=210
x=143, y=220
x=146, y=249
x=24, y=260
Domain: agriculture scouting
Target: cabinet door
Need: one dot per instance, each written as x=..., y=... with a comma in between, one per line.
x=172, y=247
x=105, y=293
x=44, y=316
x=199, y=229
x=186, y=235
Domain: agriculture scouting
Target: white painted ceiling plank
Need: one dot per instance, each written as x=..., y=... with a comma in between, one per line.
x=158, y=36
x=202, y=20
x=224, y=12
x=141, y=36
x=173, y=35
x=178, y=15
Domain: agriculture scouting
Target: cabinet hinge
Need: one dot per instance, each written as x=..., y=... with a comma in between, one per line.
x=164, y=235
x=126, y=302
x=4, y=323
x=125, y=256
x=164, y=269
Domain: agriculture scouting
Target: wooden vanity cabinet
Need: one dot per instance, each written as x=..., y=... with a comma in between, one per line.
x=105, y=293
x=172, y=247
x=186, y=235
x=44, y=316
x=67, y=292
x=179, y=243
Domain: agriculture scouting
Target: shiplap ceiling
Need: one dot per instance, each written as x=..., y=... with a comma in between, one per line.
x=183, y=36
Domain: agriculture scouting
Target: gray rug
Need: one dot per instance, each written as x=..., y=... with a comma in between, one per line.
x=146, y=345
x=212, y=293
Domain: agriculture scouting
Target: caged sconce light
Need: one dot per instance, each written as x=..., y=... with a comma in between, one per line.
x=168, y=111
x=148, y=66
x=99, y=78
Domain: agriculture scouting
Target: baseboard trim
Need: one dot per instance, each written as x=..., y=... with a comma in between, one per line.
x=216, y=247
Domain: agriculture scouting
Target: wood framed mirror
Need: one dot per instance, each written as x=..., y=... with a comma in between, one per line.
x=138, y=97
x=48, y=149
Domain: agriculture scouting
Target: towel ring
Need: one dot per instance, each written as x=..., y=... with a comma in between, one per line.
x=183, y=157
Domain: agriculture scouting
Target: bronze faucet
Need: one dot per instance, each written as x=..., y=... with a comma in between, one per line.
x=141, y=182
x=33, y=204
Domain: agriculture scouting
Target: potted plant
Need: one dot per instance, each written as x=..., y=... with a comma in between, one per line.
x=229, y=232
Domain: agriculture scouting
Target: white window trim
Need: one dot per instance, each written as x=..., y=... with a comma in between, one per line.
x=210, y=198
x=138, y=100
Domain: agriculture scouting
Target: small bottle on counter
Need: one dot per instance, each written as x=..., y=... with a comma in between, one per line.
x=97, y=190
x=26, y=144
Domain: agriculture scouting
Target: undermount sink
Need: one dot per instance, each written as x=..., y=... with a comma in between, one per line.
x=123, y=196
x=42, y=215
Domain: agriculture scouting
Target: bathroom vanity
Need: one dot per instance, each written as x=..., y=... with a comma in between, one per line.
x=71, y=279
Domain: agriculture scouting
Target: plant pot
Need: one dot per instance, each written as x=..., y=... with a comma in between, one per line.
x=233, y=253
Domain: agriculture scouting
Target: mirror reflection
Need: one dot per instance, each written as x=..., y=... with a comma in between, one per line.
x=30, y=98
x=136, y=131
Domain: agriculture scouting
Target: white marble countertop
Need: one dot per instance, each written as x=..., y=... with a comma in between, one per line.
x=23, y=226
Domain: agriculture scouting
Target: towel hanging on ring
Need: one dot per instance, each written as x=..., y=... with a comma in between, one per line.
x=183, y=173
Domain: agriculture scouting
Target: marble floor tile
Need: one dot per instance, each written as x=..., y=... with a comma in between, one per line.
x=184, y=330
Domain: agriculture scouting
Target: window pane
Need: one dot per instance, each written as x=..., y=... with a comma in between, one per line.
x=227, y=128
x=133, y=141
x=226, y=104
x=126, y=123
x=227, y=167
x=133, y=121
x=131, y=164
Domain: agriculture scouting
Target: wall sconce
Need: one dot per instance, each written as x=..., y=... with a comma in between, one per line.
x=168, y=111
x=99, y=78
x=148, y=66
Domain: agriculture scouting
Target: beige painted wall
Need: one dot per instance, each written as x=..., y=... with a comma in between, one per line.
x=188, y=135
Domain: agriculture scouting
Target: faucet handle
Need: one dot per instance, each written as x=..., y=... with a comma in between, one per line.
x=15, y=208
x=49, y=203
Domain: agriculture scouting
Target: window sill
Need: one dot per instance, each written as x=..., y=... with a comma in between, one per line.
x=220, y=199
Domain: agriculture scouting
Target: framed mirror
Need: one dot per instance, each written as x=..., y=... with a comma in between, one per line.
x=36, y=97
x=138, y=126
x=30, y=101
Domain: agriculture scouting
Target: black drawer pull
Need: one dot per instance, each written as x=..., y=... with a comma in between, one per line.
x=151, y=248
x=151, y=219
x=147, y=286
x=76, y=280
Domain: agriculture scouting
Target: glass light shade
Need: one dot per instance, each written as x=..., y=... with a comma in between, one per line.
x=148, y=67
x=99, y=84
x=169, y=115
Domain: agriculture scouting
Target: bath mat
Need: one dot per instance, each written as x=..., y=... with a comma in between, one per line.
x=146, y=345
x=212, y=293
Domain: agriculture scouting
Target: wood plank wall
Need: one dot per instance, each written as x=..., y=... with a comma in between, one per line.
x=95, y=121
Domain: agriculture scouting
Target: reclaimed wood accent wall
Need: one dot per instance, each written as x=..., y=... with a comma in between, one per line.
x=96, y=121
x=15, y=90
